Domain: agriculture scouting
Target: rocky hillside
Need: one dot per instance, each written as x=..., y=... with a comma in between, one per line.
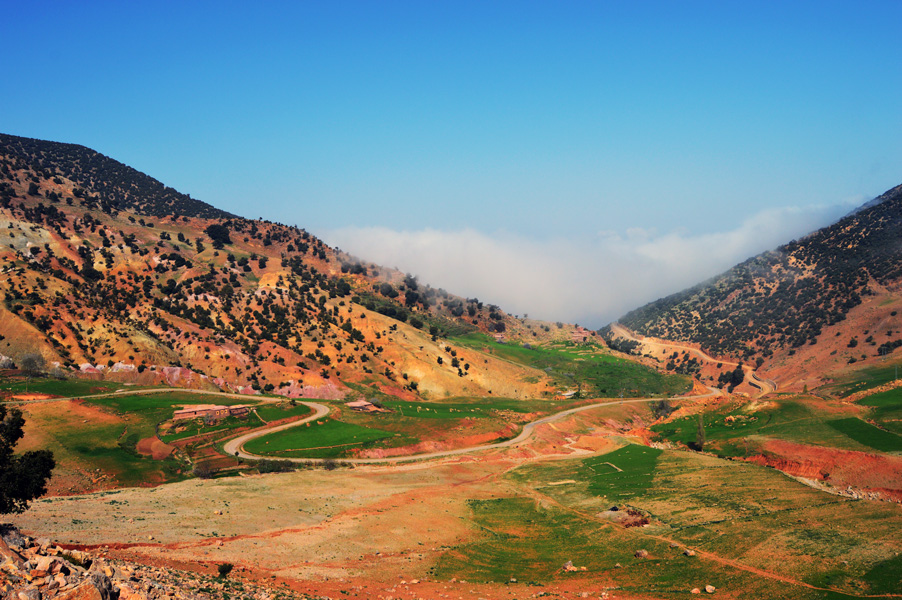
x=837, y=287
x=97, y=181
x=37, y=569
x=108, y=272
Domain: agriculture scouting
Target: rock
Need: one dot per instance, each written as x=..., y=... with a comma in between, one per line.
x=11, y=536
x=568, y=567
x=8, y=554
x=29, y=593
x=84, y=591
x=641, y=554
x=688, y=552
x=674, y=545
x=695, y=591
x=617, y=566
x=710, y=589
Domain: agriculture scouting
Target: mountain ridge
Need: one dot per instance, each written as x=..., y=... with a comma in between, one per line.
x=151, y=288
x=773, y=305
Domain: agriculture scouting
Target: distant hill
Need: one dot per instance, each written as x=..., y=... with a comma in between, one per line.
x=779, y=302
x=109, y=272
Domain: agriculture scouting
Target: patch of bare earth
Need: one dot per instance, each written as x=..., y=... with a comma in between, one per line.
x=155, y=448
x=842, y=469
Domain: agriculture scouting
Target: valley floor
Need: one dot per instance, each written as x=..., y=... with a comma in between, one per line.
x=503, y=523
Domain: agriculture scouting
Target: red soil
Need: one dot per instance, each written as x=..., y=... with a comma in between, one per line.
x=155, y=448
x=841, y=468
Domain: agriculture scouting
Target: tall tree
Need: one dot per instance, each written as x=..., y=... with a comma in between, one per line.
x=24, y=477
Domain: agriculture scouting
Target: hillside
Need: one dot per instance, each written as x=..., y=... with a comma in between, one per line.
x=823, y=301
x=110, y=273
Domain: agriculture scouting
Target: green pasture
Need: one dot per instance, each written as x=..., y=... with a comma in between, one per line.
x=623, y=473
x=268, y=412
x=150, y=410
x=789, y=420
x=326, y=438
x=474, y=408
x=276, y=412
x=886, y=409
x=67, y=388
x=861, y=379
x=734, y=510
x=600, y=374
x=111, y=447
x=868, y=435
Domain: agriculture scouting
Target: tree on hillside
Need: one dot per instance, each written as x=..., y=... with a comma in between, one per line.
x=32, y=364
x=700, y=433
x=219, y=234
x=22, y=478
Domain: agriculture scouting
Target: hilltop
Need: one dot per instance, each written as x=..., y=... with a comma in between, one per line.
x=806, y=309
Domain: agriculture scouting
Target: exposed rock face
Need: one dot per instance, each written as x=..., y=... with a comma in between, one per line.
x=39, y=570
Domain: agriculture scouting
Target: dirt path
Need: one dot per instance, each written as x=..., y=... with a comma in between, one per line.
x=542, y=498
x=235, y=446
x=765, y=385
x=139, y=392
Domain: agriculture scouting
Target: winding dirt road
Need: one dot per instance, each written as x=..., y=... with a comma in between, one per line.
x=765, y=385
x=235, y=447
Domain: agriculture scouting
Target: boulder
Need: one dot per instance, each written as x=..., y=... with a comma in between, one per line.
x=11, y=536
x=641, y=554
x=29, y=593
x=8, y=554
x=84, y=591
x=710, y=589
x=96, y=587
x=689, y=552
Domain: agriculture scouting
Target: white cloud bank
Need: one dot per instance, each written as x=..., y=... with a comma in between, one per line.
x=590, y=282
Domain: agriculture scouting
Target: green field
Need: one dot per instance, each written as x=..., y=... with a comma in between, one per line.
x=601, y=375
x=886, y=409
x=68, y=388
x=623, y=473
x=109, y=442
x=268, y=412
x=474, y=408
x=326, y=438
x=152, y=409
x=867, y=434
x=739, y=511
x=861, y=379
x=790, y=420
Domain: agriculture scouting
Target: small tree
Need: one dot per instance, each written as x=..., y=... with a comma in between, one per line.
x=32, y=364
x=203, y=470
x=224, y=569
x=700, y=433
x=22, y=478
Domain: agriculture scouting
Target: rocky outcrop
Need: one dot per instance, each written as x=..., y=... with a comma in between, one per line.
x=40, y=570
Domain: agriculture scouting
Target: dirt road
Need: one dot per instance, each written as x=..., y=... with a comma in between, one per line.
x=234, y=447
x=765, y=385
x=140, y=392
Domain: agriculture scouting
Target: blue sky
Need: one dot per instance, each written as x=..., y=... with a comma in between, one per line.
x=529, y=127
